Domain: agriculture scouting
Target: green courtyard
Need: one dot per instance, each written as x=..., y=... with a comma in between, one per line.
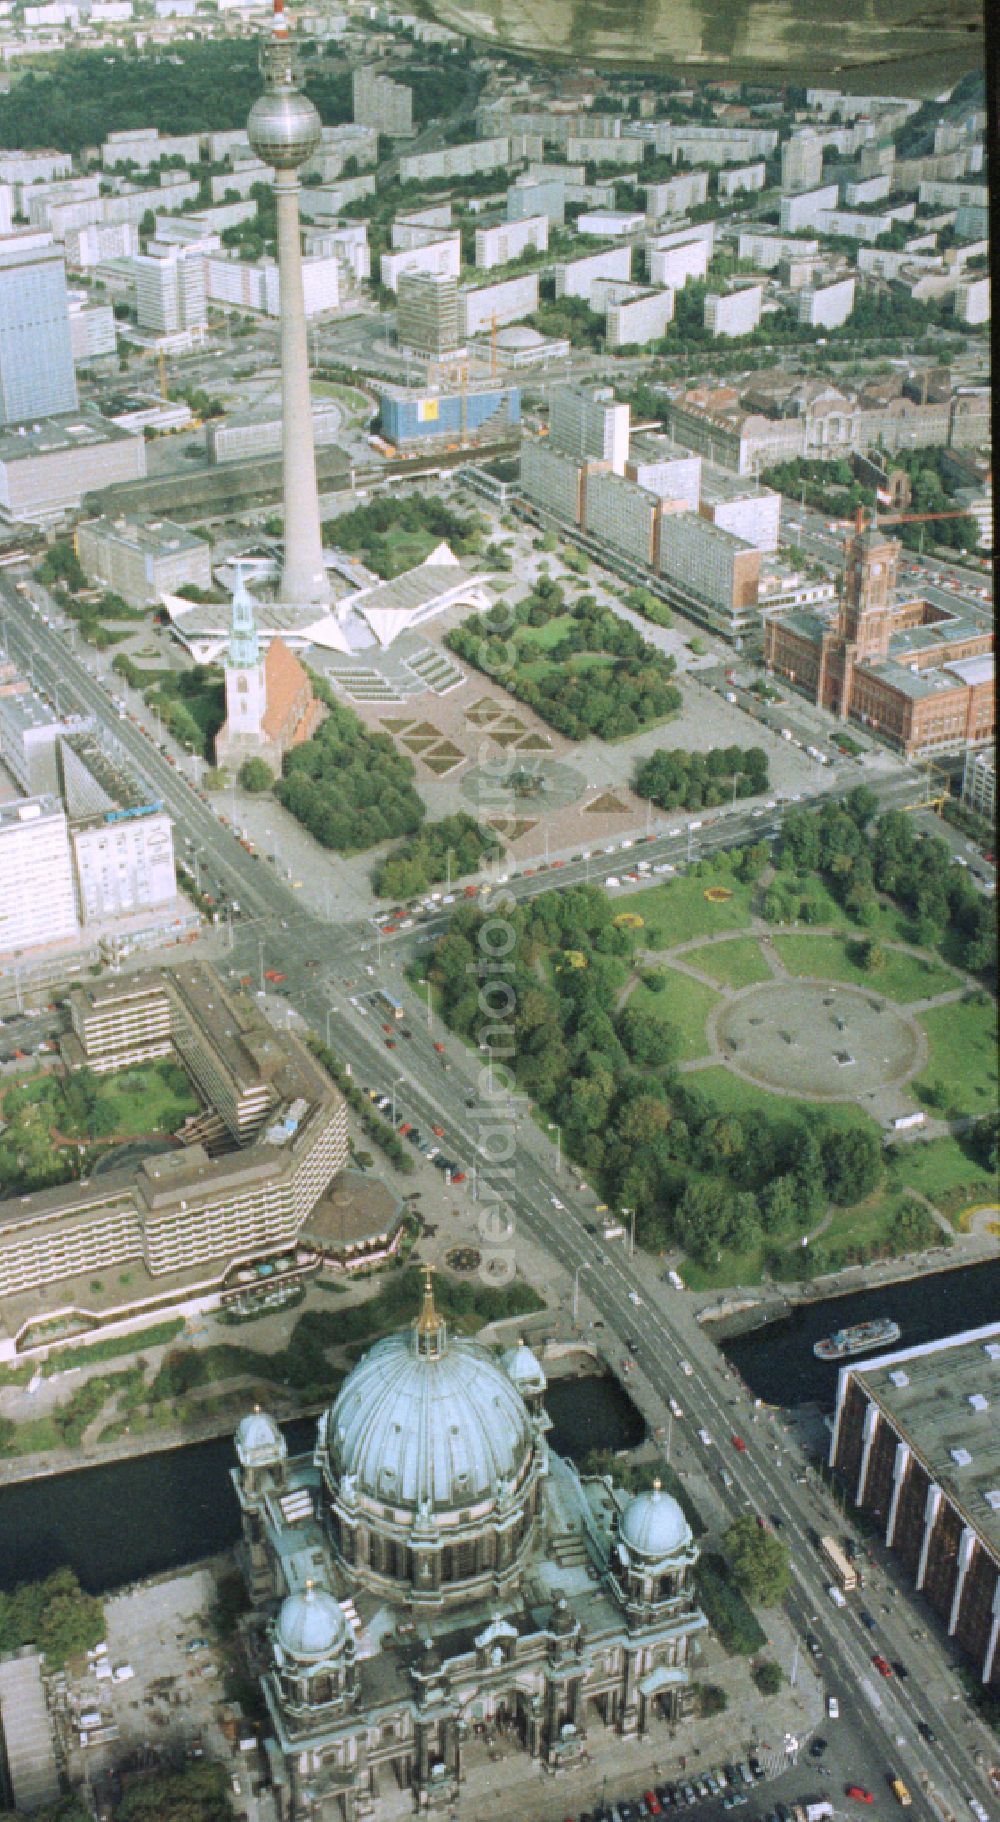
x=55, y=1126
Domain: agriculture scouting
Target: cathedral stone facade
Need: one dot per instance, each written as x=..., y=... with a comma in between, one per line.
x=433, y=1587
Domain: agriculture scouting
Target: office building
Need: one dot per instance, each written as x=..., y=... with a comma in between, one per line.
x=554, y=480
x=826, y=306
x=531, y=196
x=124, y=862
x=642, y=317
x=498, y=246
x=718, y=573
x=141, y=562
x=576, y=277
x=428, y=315
x=37, y=377
x=801, y=162
x=749, y=512
x=916, y=1447
x=620, y=513
x=37, y=898
x=979, y=783
x=30, y=733
x=381, y=103
x=432, y=1501
x=255, y=285
x=658, y=466
x=589, y=424
x=46, y=469
x=918, y=674
x=92, y=332
x=735, y=313
x=256, y=432
x=170, y=289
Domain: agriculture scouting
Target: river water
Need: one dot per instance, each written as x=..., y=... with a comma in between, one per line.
x=778, y=1364
x=129, y=1519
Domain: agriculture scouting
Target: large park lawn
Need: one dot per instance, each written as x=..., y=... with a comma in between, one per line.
x=961, y=1075
x=943, y=1172
x=685, y=1004
x=675, y=912
x=738, y=963
x=830, y=958
x=730, y=1094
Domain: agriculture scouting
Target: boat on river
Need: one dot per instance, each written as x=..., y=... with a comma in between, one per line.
x=863, y=1336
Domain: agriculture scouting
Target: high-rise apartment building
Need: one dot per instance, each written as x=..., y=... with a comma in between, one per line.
x=737, y=313
x=170, y=291
x=37, y=377
x=382, y=103
x=428, y=317
x=801, y=162
x=37, y=899
x=124, y=863
x=590, y=424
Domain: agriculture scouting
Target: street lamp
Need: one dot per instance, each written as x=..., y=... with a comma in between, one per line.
x=424, y=982
x=584, y=1266
x=631, y=1239
x=554, y=1128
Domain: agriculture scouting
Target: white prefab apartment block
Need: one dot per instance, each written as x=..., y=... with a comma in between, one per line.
x=674, y=266
x=720, y=571
x=444, y=256
x=92, y=332
x=575, y=277
x=507, y=302
x=589, y=425
x=972, y=301
x=826, y=306
x=256, y=286
x=124, y=865
x=742, y=177
x=708, y=145
x=37, y=900
x=766, y=251
x=468, y=160
x=801, y=161
x=87, y=246
x=497, y=246
x=170, y=291
x=609, y=224
x=584, y=148
x=531, y=196
x=736, y=313
x=802, y=210
x=639, y=320
x=754, y=517
x=655, y=465
x=677, y=195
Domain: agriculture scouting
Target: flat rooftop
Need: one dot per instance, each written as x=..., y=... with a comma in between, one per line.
x=155, y=537
x=944, y=1400
x=81, y=429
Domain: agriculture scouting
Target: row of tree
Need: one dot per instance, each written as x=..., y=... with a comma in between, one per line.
x=350, y=788
x=609, y=699
x=675, y=778
x=454, y=846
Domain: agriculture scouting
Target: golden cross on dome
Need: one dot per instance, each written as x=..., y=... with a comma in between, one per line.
x=430, y=1328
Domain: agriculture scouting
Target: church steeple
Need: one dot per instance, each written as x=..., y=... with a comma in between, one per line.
x=244, y=646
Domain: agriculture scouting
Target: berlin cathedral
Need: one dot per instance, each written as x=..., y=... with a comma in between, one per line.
x=434, y=1587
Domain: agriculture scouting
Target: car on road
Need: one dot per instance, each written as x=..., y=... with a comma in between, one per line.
x=818, y=1747
x=881, y=1664
x=859, y=1793
x=833, y=1708
x=900, y=1669
x=686, y=1368
x=926, y=1732
x=867, y=1618
x=704, y=1437
x=440, y=1049
x=556, y=1202
x=813, y=1645
x=738, y=1443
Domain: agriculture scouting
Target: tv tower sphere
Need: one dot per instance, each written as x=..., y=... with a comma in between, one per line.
x=284, y=130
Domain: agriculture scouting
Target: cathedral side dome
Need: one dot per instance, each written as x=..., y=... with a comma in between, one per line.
x=259, y=1440
x=654, y=1526
x=311, y=1624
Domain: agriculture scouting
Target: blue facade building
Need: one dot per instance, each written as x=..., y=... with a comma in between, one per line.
x=37, y=376
x=482, y=415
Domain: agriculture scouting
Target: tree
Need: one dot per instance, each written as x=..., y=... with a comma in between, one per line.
x=758, y=1561
x=852, y=1164
x=872, y=956
x=255, y=775
x=768, y=1676
x=647, y=1039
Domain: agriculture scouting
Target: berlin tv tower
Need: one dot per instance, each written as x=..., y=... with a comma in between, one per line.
x=284, y=130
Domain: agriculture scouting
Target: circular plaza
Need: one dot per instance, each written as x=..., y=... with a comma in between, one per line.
x=814, y=1039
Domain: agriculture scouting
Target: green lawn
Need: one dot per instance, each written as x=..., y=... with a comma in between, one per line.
x=942, y=1171
x=730, y=1094
x=543, y=638
x=904, y=977
x=141, y=1101
x=675, y=912
x=961, y=1075
x=684, y=1004
x=738, y=963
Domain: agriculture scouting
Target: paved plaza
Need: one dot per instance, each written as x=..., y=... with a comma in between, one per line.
x=822, y=1039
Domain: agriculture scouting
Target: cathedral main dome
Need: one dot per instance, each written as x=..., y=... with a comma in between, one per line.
x=438, y=1427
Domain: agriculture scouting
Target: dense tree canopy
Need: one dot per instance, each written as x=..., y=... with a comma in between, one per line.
x=675, y=778
x=454, y=846
x=55, y=1616
x=348, y=787
x=758, y=1561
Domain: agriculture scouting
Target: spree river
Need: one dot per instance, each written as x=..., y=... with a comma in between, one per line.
x=118, y=1523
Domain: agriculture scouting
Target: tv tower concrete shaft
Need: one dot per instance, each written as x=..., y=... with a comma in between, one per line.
x=303, y=572
x=284, y=130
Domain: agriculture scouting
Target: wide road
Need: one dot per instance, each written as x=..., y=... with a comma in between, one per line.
x=324, y=967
